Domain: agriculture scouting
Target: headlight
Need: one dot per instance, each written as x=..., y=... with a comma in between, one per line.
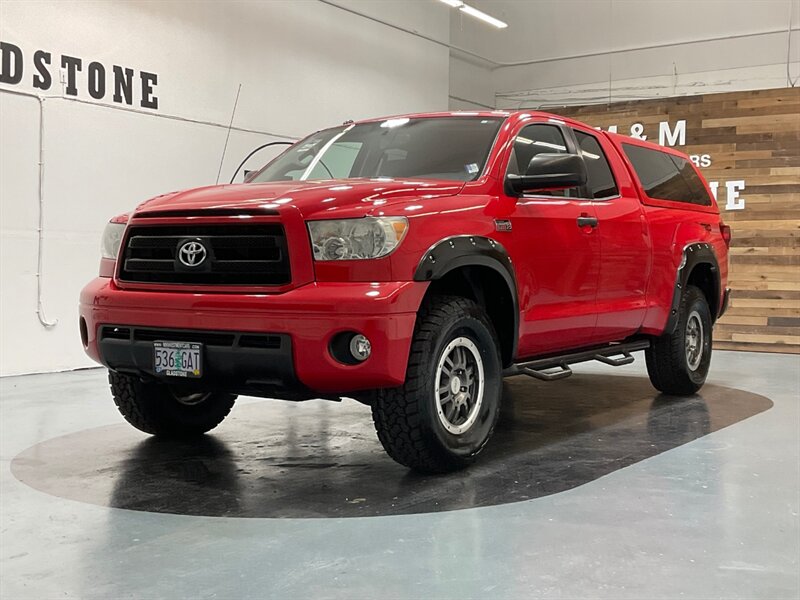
x=354, y=239
x=112, y=238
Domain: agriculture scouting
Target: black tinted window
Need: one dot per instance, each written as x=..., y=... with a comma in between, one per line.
x=666, y=177
x=696, y=186
x=538, y=139
x=600, y=182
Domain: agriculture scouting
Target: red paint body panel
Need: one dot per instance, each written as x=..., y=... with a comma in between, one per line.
x=576, y=286
x=558, y=268
x=626, y=249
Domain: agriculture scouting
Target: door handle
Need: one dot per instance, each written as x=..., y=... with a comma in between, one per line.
x=587, y=221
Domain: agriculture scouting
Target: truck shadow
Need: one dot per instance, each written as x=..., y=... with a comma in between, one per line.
x=318, y=459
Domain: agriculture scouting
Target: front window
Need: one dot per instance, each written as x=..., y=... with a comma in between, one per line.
x=539, y=138
x=450, y=148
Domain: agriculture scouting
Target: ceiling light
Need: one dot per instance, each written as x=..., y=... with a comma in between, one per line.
x=474, y=12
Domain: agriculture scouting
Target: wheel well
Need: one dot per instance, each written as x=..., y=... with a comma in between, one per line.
x=489, y=289
x=703, y=276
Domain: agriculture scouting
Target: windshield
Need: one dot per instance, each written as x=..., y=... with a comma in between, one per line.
x=453, y=148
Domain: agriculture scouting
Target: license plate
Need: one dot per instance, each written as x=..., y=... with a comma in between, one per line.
x=178, y=359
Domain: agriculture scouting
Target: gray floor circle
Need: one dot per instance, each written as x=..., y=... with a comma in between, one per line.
x=319, y=459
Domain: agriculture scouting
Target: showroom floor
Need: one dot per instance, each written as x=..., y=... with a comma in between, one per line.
x=592, y=487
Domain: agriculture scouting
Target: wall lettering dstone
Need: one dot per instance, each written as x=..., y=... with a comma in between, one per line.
x=42, y=69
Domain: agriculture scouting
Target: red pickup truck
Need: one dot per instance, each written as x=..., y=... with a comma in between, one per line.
x=411, y=263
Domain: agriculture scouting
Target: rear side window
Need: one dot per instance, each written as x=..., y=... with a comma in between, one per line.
x=667, y=177
x=600, y=181
x=696, y=185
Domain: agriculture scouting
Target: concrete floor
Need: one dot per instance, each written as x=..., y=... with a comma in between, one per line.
x=593, y=488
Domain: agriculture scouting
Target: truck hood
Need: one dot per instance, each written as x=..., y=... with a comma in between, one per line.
x=345, y=197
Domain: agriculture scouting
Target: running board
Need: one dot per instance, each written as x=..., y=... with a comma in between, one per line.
x=615, y=355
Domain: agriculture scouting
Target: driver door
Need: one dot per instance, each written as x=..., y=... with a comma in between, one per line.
x=556, y=251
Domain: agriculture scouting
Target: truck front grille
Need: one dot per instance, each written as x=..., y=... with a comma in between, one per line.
x=221, y=255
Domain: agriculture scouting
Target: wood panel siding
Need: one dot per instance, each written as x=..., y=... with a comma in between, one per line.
x=752, y=136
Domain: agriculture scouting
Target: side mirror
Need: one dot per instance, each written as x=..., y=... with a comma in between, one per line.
x=548, y=172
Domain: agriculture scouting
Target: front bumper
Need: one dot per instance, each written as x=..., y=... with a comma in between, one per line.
x=305, y=319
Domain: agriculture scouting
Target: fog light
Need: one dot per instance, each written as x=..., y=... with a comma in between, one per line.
x=360, y=347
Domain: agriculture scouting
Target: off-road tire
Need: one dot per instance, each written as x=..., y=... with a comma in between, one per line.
x=153, y=408
x=406, y=418
x=667, y=362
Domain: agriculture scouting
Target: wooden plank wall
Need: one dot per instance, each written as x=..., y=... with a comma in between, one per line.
x=752, y=136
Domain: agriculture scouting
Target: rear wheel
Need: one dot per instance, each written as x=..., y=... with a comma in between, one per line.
x=444, y=414
x=678, y=362
x=167, y=410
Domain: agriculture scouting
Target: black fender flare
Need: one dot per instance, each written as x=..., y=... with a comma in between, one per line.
x=693, y=255
x=469, y=251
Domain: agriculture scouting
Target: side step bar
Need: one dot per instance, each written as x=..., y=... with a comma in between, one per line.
x=615, y=355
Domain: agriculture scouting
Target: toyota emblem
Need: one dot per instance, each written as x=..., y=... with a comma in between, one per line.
x=192, y=253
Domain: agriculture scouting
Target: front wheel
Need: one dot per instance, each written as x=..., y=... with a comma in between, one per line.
x=444, y=414
x=678, y=362
x=167, y=410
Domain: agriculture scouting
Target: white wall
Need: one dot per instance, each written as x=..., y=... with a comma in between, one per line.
x=302, y=65
x=592, y=51
x=471, y=85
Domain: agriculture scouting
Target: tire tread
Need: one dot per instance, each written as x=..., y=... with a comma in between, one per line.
x=396, y=411
x=666, y=356
x=143, y=406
